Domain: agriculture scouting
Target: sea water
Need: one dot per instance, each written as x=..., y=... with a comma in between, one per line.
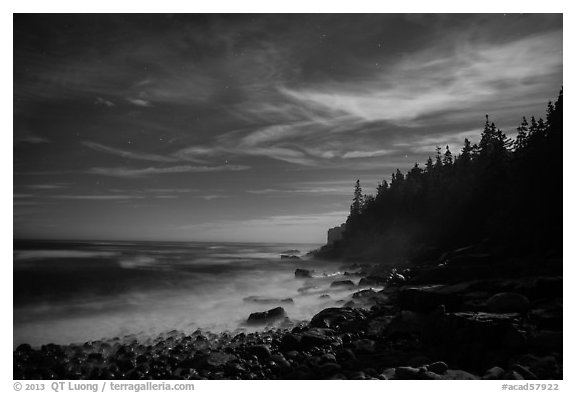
x=72, y=292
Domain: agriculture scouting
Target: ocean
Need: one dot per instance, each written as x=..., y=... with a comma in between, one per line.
x=73, y=292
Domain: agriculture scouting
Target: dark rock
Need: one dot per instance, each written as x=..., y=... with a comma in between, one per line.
x=508, y=302
x=290, y=342
x=303, y=273
x=524, y=372
x=327, y=369
x=429, y=375
x=547, y=341
x=364, y=346
x=260, y=351
x=512, y=375
x=459, y=375
x=315, y=338
x=544, y=367
x=328, y=358
x=261, y=318
x=438, y=367
x=428, y=298
x=372, y=281
x=342, y=284
x=470, y=339
x=280, y=361
x=406, y=373
x=334, y=316
x=295, y=257
x=357, y=375
x=389, y=373
x=295, y=355
x=406, y=323
x=365, y=293
x=218, y=359
x=494, y=373
x=324, y=296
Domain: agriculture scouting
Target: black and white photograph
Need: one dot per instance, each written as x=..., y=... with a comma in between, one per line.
x=287, y=196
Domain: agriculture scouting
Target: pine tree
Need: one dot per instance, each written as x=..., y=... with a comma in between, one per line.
x=357, y=201
x=466, y=154
x=429, y=165
x=522, y=137
x=447, y=161
x=438, y=164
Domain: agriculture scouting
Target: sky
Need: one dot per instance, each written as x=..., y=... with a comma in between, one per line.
x=252, y=128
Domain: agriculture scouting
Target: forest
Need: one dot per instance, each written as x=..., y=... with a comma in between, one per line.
x=504, y=193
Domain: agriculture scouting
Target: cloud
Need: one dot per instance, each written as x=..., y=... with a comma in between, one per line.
x=139, y=102
x=141, y=172
x=367, y=154
x=98, y=197
x=30, y=138
x=128, y=154
x=102, y=101
x=214, y=196
x=46, y=186
x=427, y=144
x=456, y=75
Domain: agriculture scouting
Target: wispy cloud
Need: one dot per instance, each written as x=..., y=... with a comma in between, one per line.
x=46, y=186
x=98, y=197
x=141, y=172
x=367, y=154
x=139, y=102
x=30, y=138
x=466, y=76
x=128, y=154
x=102, y=101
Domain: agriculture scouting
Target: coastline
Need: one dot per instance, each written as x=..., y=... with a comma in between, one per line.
x=458, y=318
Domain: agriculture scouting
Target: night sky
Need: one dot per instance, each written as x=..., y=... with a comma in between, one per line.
x=252, y=127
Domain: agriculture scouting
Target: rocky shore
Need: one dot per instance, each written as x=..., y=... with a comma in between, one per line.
x=465, y=315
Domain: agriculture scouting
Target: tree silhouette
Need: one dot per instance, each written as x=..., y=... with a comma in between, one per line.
x=508, y=191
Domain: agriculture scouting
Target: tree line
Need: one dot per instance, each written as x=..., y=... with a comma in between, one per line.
x=501, y=190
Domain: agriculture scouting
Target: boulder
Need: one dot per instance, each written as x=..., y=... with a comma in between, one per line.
x=406, y=323
x=342, y=284
x=218, y=359
x=303, y=273
x=508, y=302
x=335, y=316
x=260, y=351
x=364, y=346
x=494, y=373
x=372, y=281
x=459, y=375
x=407, y=373
x=315, y=338
x=523, y=371
x=284, y=256
x=364, y=294
x=438, y=367
x=262, y=318
x=473, y=339
x=547, y=341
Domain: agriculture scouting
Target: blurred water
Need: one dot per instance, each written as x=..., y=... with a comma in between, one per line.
x=74, y=292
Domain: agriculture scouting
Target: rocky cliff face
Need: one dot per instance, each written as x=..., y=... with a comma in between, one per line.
x=335, y=234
